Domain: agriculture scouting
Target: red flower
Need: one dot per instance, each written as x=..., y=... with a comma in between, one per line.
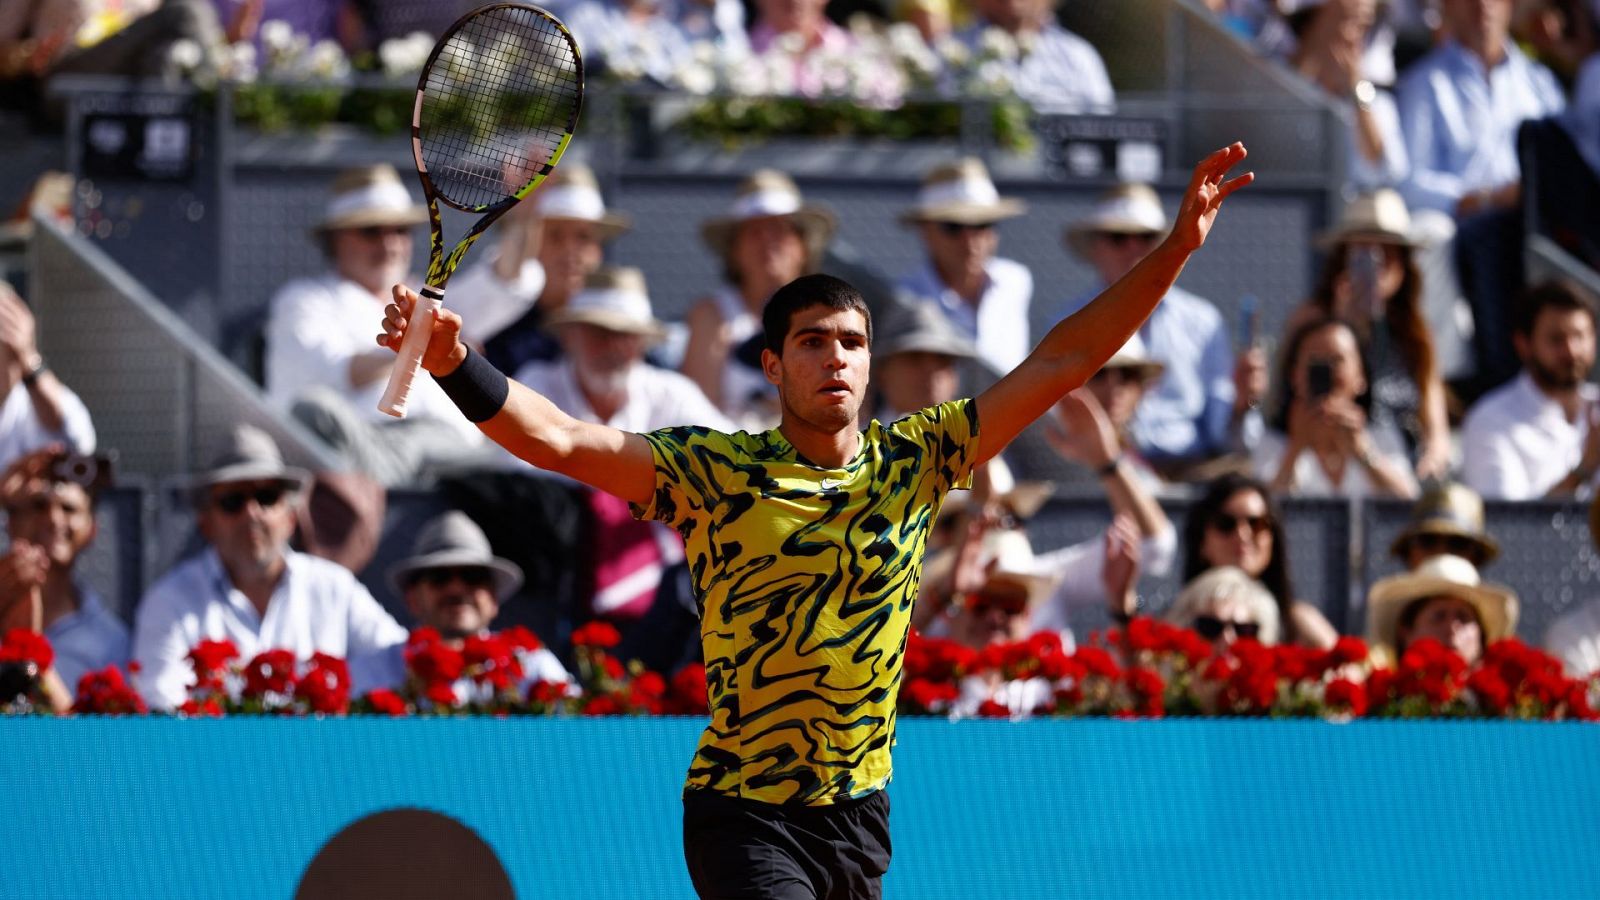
x=106, y=692
x=1346, y=651
x=441, y=693
x=207, y=708
x=1292, y=662
x=1490, y=689
x=597, y=633
x=1097, y=661
x=1194, y=648
x=930, y=696
x=1342, y=693
x=1578, y=702
x=22, y=645
x=612, y=667
x=1147, y=688
x=434, y=662
x=326, y=685
x=521, y=638
x=601, y=705
x=689, y=690
x=1145, y=634
x=1061, y=666
x=209, y=657
x=492, y=660
x=547, y=693
x=989, y=709
x=270, y=670
x=386, y=702
x=1380, y=687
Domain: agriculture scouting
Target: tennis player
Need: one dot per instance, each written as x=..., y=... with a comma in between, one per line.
x=806, y=544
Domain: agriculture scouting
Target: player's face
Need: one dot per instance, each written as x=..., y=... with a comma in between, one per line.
x=457, y=600
x=56, y=516
x=249, y=523
x=374, y=257
x=570, y=251
x=822, y=374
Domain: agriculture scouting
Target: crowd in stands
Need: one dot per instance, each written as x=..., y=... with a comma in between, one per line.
x=1348, y=401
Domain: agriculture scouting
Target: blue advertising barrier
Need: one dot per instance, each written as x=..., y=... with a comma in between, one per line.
x=589, y=808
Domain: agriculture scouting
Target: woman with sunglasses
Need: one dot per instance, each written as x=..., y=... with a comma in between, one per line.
x=1224, y=605
x=1236, y=523
x=1372, y=281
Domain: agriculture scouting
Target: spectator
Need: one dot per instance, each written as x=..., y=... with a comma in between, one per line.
x=1187, y=418
x=50, y=523
x=1462, y=105
x=1116, y=391
x=1574, y=637
x=629, y=36
x=1448, y=520
x=630, y=566
x=768, y=237
x=1322, y=442
x=1236, y=523
x=1535, y=437
x=36, y=409
x=1053, y=69
x=987, y=297
x=1371, y=281
x=1445, y=600
x=1332, y=41
x=1225, y=604
x=247, y=586
x=453, y=584
x=1558, y=33
x=557, y=242
x=918, y=360
x=323, y=364
x=800, y=21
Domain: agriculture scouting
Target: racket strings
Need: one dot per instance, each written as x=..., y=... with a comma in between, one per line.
x=499, y=100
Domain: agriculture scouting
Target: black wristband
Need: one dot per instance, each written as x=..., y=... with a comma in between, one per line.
x=32, y=375
x=1110, y=468
x=476, y=387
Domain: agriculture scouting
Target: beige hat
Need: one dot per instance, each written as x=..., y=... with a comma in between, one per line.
x=247, y=454
x=613, y=298
x=366, y=196
x=764, y=194
x=1006, y=557
x=961, y=192
x=916, y=326
x=572, y=193
x=454, y=541
x=1132, y=355
x=1452, y=510
x=1380, y=217
x=1448, y=576
x=1125, y=209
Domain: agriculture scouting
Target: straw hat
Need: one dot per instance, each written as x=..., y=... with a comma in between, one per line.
x=452, y=541
x=1125, y=209
x=1133, y=355
x=247, y=454
x=764, y=194
x=613, y=298
x=366, y=196
x=1452, y=510
x=961, y=192
x=1448, y=576
x=572, y=193
x=1380, y=217
x=921, y=327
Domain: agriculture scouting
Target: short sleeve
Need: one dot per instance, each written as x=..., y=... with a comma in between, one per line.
x=689, y=461
x=949, y=432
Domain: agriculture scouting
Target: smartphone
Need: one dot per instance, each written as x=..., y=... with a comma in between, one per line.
x=1319, y=378
x=94, y=472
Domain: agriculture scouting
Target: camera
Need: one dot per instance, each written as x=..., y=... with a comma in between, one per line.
x=1319, y=378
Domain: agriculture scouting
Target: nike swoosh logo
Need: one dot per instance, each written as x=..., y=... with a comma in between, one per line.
x=829, y=484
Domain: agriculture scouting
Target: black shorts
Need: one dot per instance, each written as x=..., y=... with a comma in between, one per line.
x=740, y=849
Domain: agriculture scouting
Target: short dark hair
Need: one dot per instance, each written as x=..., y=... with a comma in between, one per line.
x=1559, y=293
x=803, y=293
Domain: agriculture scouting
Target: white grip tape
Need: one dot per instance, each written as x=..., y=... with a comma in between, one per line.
x=418, y=329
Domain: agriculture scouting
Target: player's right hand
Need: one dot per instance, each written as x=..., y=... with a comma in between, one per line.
x=445, y=350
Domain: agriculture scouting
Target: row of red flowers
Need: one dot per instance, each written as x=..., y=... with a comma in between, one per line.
x=1148, y=670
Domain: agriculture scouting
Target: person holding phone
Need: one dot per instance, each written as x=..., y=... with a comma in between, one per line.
x=1322, y=442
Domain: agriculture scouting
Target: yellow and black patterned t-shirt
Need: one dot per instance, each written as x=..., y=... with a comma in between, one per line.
x=805, y=578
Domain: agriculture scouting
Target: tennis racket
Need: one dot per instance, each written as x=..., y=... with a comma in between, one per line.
x=496, y=106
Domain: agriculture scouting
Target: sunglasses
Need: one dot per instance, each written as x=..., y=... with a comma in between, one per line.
x=1211, y=627
x=1117, y=375
x=1119, y=238
x=471, y=576
x=1445, y=543
x=958, y=228
x=233, y=502
x=378, y=232
x=1228, y=523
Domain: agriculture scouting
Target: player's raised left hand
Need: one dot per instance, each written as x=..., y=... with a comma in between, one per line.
x=1204, y=196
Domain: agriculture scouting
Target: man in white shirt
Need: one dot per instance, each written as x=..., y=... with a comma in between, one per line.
x=1187, y=416
x=985, y=296
x=247, y=586
x=1535, y=436
x=1053, y=69
x=36, y=409
x=320, y=363
x=50, y=522
x=454, y=584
